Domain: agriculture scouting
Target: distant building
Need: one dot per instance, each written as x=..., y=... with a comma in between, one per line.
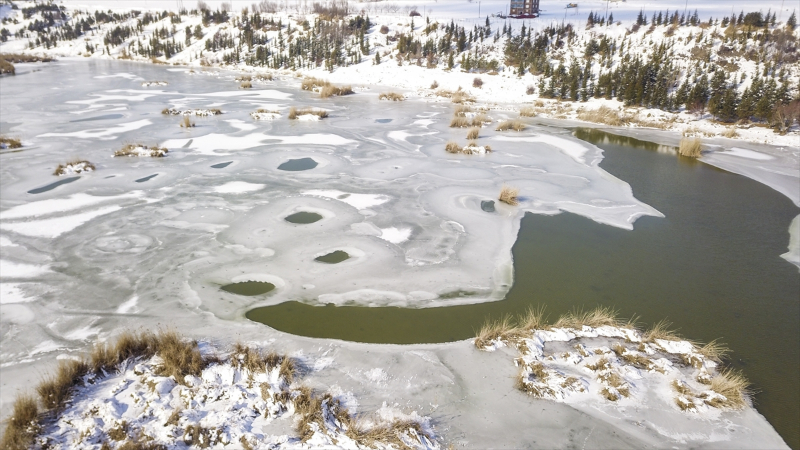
x=524, y=7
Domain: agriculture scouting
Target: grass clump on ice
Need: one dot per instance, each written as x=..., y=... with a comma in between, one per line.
x=294, y=112
x=75, y=166
x=504, y=329
x=9, y=142
x=597, y=317
x=508, y=195
x=473, y=133
x=246, y=85
x=332, y=91
x=191, y=112
x=527, y=112
x=393, y=96
x=513, y=124
x=186, y=122
x=244, y=78
x=730, y=133
x=142, y=150
x=604, y=115
x=690, y=147
x=311, y=83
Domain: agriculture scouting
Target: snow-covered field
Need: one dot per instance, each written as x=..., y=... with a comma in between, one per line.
x=142, y=242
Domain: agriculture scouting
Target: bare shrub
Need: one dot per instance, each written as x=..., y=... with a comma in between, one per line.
x=530, y=90
x=23, y=425
x=393, y=96
x=477, y=82
x=473, y=133
x=435, y=84
x=690, y=147
x=508, y=195
x=604, y=115
x=514, y=124
x=294, y=112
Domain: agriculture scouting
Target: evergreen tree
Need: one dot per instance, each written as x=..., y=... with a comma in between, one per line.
x=792, y=22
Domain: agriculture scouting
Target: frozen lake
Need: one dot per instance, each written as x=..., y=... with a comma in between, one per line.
x=270, y=206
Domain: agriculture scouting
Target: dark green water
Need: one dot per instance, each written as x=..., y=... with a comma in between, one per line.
x=297, y=165
x=711, y=267
x=303, y=217
x=248, y=288
x=333, y=257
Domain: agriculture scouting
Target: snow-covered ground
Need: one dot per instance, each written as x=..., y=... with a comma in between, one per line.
x=156, y=251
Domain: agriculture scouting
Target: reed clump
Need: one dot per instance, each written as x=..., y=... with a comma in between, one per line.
x=244, y=78
x=508, y=195
x=473, y=133
x=460, y=122
x=246, y=85
x=393, y=96
x=311, y=83
x=186, y=122
x=142, y=150
x=333, y=91
x=452, y=147
x=733, y=386
x=527, y=112
x=690, y=147
x=604, y=115
x=503, y=329
x=730, y=133
x=513, y=124
x=294, y=112
x=601, y=316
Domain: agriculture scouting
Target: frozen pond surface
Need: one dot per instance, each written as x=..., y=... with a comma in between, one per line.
x=85, y=259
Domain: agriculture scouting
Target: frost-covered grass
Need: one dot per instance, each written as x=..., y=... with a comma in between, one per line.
x=473, y=133
x=246, y=85
x=156, y=390
x=73, y=167
x=508, y=195
x=331, y=91
x=604, y=115
x=690, y=147
x=667, y=363
x=154, y=83
x=186, y=122
x=144, y=150
x=265, y=114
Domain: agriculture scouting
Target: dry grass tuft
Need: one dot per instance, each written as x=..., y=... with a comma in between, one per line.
x=681, y=387
x=730, y=133
x=503, y=329
x=473, y=133
x=690, y=147
x=461, y=97
x=186, y=123
x=527, y=112
x=288, y=369
x=76, y=166
x=56, y=389
x=714, y=350
x=201, y=437
x=133, y=150
x=601, y=364
x=731, y=385
x=179, y=357
x=310, y=83
x=9, y=142
x=480, y=119
x=533, y=389
x=462, y=110
x=452, y=147
x=294, y=112
x=246, y=85
x=661, y=330
x=460, y=122
x=508, y=195
x=244, y=78
x=604, y=115
x=514, y=124
x=332, y=91
x=534, y=319
x=597, y=317
x=23, y=425
x=393, y=96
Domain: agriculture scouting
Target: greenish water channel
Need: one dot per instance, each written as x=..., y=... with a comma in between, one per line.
x=711, y=267
x=248, y=288
x=333, y=257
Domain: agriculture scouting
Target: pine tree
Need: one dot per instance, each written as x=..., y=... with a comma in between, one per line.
x=792, y=22
x=377, y=58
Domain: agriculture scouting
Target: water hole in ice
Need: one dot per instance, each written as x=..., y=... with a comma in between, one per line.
x=52, y=186
x=298, y=165
x=333, y=257
x=147, y=178
x=303, y=218
x=248, y=288
x=221, y=165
